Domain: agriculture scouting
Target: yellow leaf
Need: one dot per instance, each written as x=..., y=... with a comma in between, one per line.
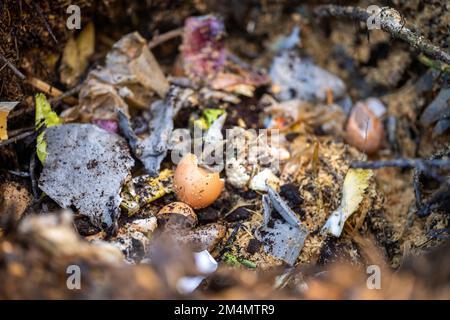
x=5, y=109
x=355, y=184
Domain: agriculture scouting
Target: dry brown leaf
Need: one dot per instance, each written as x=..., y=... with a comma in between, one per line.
x=76, y=55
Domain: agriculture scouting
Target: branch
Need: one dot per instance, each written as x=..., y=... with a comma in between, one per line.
x=12, y=67
x=390, y=21
x=402, y=163
x=157, y=40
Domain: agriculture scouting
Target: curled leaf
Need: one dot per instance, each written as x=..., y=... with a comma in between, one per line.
x=355, y=184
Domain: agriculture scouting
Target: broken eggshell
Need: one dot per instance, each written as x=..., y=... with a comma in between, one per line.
x=204, y=237
x=365, y=129
x=194, y=185
x=133, y=238
x=177, y=213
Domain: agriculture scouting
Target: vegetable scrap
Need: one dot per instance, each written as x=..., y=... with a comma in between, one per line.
x=44, y=117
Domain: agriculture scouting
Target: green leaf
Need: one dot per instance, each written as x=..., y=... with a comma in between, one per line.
x=235, y=262
x=210, y=115
x=230, y=259
x=44, y=116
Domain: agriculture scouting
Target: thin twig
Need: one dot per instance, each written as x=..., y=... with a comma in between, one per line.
x=21, y=174
x=13, y=67
x=51, y=90
x=390, y=21
x=402, y=163
x=229, y=241
x=22, y=136
x=16, y=138
x=14, y=133
x=67, y=95
x=44, y=20
x=32, y=168
x=157, y=40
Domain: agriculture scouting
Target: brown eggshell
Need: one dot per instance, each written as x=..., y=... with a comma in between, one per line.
x=194, y=185
x=203, y=237
x=363, y=120
x=177, y=213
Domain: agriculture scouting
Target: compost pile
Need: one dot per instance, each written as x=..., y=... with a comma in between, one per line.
x=214, y=150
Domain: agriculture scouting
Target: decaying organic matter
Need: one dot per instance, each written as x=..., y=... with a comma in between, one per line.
x=217, y=149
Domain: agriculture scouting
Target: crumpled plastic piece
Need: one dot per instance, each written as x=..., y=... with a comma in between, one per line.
x=151, y=150
x=355, y=184
x=85, y=168
x=282, y=238
x=299, y=78
x=130, y=77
